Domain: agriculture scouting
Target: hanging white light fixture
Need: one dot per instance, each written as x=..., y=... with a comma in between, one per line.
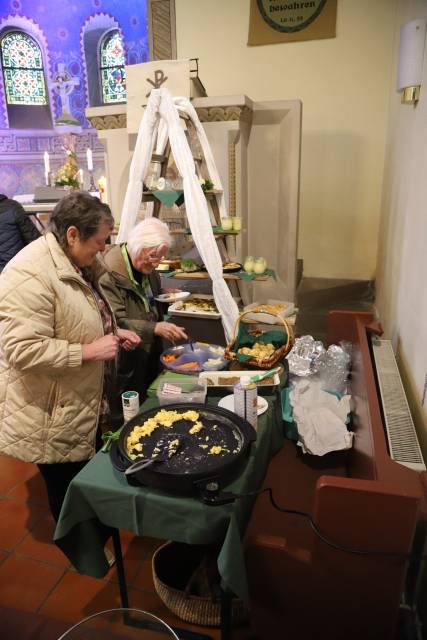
x=411, y=59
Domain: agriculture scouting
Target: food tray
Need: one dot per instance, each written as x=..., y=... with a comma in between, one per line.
x=266, y=318
x=200, y=354
x=181, y=308
x=191, y=391
x=220, y=380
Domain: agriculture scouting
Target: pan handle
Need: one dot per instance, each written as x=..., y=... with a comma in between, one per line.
x=137, y=466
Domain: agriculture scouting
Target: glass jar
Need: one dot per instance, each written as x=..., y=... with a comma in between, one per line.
x=259, y=266
x=248, y=265
x=237, y=223
x=227, y=224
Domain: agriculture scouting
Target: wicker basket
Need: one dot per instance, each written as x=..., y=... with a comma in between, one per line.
x=267, y=363
x=203, y=611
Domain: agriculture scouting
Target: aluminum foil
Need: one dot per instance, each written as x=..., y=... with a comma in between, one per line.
x=334, y=366
x=304, y=356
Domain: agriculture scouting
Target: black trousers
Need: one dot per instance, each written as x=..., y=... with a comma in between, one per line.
x=57, y=477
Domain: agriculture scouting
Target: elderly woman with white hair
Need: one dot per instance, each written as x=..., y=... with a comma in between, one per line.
x=130, y=283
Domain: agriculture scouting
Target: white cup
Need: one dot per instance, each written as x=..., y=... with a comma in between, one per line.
x=130, y=404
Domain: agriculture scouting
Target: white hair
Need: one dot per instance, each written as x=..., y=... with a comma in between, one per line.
x=149, y=233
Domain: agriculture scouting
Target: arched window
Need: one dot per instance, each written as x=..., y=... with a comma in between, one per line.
x=22, y=69
x=112, y=68
x=27, y=98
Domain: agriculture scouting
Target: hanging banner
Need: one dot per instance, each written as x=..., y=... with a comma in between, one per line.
x=273, y=21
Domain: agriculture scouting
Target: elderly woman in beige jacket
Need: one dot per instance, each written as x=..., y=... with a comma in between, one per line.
x=57, y=336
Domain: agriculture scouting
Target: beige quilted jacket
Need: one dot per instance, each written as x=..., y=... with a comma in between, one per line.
x=49, y=398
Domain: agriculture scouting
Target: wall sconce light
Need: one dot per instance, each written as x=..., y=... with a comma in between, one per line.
x=411, y=58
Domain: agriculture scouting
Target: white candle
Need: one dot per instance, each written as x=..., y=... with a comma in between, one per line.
x=81, y=176
x=46, y=162
x=89, y=159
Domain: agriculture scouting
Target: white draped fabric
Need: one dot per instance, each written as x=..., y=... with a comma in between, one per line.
x=160, y=121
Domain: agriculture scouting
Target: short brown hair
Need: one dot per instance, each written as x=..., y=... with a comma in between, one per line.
x=80, y=210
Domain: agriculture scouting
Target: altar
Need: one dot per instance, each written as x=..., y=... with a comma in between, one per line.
x=256, y=147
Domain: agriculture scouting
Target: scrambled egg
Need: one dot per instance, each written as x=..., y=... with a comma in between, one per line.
x=215, y=450
x=197, y=427
x=190, y=415
x=162, y=418
x=259, y=350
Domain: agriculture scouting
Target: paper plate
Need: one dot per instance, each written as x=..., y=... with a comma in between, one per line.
x=228, y=403
x=173, y=297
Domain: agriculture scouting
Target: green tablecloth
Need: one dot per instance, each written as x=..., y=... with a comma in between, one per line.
x=99, y=497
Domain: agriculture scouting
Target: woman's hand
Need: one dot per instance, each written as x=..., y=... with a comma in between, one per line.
x=104, y=348
x=170, y=331
x=128, y=339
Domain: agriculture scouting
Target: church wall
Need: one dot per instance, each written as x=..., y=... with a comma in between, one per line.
x=344, y=84
x=58, y=27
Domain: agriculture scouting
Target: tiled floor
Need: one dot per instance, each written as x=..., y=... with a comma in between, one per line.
x=35, y=577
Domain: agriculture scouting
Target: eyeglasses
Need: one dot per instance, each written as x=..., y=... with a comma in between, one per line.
x=157, y=253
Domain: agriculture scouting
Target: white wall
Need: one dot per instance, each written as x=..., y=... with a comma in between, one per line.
x=402, y=249
x=344, y=85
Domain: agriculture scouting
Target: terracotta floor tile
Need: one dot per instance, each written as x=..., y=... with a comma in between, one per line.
x=38, y=544
x=13, y=472
x=16, y=520
x=135, y=551
x=144, y=578
x=32, y=490
x=3, y=556
x=77, y=597
x=154, y=605
x=26, y=583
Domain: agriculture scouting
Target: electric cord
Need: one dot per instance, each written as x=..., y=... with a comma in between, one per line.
x=331, y=543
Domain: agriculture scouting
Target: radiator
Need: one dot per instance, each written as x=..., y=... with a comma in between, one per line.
x=400, y=430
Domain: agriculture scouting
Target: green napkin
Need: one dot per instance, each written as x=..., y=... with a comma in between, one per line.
x=170, y=197
x=291, y=431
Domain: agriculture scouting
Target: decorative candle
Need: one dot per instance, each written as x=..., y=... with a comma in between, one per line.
x=259, y=266
x=46, y=178
x=80, y=173
x=249, y=264
x=237, y=223
x=227, y=224
x=89, y=159
x=46, y=162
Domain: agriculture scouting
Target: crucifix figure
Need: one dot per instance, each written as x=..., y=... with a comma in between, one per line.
x=63, y=83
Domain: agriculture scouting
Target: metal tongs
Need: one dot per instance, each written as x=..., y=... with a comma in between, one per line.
x=168, y=446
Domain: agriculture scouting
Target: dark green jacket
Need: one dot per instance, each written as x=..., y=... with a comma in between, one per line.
x=138, y=368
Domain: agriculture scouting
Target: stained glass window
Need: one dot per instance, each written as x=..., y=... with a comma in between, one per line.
x=113, y=77
x=22, y=69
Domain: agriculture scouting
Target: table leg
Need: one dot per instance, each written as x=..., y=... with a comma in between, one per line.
x=226, y=624
x=120, y=569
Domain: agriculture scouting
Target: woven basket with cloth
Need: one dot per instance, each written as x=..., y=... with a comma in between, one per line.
x=257, y=348
x=173, y=566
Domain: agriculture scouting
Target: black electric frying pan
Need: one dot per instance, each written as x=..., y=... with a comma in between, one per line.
x=194, y=464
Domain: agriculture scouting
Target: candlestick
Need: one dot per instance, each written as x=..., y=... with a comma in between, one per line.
x=92, y=186
x=46, y=162
x=89, y=159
